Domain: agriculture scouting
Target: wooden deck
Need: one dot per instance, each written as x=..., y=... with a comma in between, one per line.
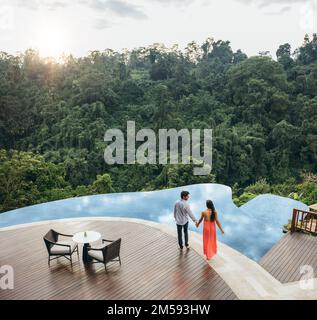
x=292, y=252
x=152, y=266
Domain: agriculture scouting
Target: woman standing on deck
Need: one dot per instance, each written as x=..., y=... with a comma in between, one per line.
x=210, y=217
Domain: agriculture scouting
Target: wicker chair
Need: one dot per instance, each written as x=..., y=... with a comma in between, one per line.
x=106, y=253
x=57, y=249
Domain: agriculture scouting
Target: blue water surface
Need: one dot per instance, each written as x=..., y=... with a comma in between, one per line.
x=251, y=229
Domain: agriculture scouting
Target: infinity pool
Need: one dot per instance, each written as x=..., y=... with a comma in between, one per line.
x=251, y=229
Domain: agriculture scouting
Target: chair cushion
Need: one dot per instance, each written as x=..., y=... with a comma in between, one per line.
x=99, y=246
x=63, y=250
x=96, y=254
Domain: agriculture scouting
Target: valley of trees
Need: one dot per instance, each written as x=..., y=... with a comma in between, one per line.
x=263, y=113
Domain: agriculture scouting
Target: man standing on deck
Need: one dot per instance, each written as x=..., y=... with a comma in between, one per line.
x=181, y=213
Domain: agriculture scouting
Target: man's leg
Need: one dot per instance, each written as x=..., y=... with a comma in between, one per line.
x=186, y=234
x=180, y=236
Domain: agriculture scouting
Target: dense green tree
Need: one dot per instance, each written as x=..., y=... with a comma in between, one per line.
x=102, y=184
x=25, y=179
x=263, y=114
x=284, y=56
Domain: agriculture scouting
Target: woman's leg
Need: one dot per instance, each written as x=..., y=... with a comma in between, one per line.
x=207, y=240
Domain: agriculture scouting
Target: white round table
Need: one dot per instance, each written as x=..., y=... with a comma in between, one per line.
x=85, y=238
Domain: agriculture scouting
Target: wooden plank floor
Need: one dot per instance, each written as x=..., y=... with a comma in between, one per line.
x=292, y=252
x=152, y=266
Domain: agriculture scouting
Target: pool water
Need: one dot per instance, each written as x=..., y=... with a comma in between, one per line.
x=251, y=229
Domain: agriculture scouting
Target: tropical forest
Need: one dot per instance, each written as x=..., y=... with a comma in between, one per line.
x=262, y=110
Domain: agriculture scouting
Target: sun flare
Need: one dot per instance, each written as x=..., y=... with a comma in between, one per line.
x=51, y=42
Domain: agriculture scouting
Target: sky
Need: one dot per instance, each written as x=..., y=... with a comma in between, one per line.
x=62, y=26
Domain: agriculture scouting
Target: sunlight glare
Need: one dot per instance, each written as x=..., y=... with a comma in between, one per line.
x=51, y=42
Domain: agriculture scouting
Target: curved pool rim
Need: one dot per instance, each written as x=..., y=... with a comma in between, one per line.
x=249, y=230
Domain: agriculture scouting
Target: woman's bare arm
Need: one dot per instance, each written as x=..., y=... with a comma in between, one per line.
x=218, y=222
x=200, y=220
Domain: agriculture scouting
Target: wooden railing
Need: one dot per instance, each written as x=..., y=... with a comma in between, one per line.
x=304, y=221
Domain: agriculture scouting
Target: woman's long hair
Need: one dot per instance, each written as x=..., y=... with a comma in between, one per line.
x=210, y=205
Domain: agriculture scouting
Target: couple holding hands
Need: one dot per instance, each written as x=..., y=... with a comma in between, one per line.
x=210, y=217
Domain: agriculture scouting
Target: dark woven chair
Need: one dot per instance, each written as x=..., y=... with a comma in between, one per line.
x=105, y=253
x=57, y=248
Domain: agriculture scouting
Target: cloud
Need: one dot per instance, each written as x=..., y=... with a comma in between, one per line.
x=35, y=4
x=119, y=7
x=56, y=5
x=275, y=7
x=102, y=24
x=285, y=9
x=177, y=2
x=266, y=3
x=122, y=8
x=280, y=11
x=31, y=4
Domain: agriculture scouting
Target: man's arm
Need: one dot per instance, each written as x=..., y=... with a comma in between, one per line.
x=189, y=212
x=175, y=211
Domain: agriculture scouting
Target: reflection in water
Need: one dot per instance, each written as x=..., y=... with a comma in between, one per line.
x=251, y=229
